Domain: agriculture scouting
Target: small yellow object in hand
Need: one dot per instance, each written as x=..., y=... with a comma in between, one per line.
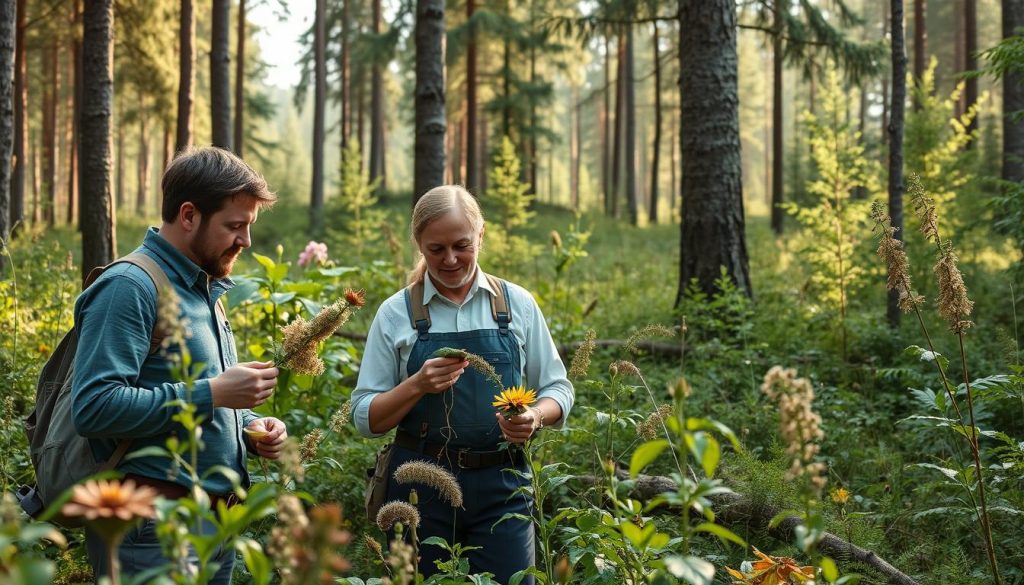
x=256, y=433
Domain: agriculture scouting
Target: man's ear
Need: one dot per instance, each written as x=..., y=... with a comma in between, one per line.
x=189, y=216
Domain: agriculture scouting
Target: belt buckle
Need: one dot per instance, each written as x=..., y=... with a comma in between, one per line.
x=461, y=460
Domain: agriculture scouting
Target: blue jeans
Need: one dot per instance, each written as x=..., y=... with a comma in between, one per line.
x=140, y=551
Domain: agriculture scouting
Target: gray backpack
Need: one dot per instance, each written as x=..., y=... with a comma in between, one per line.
x=61, y=457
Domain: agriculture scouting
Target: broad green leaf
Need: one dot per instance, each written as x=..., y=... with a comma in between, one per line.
x=721, y=532
x=645, y=454
x=264, y=261
x=828, y=569
x=693, y=570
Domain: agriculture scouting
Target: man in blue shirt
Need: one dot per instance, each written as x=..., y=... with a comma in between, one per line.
x=120, y=390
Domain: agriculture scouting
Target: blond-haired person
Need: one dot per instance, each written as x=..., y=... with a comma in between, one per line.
x=442, y=408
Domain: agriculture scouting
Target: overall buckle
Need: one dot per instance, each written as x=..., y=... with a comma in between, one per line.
x=460, y=460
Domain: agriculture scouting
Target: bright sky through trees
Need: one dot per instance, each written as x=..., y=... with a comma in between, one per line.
x=279, y=39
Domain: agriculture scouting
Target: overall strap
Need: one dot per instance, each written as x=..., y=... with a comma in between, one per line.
x=419, y=317
x=499, y=303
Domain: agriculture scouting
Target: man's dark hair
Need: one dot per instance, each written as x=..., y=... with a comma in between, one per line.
x=207, y=177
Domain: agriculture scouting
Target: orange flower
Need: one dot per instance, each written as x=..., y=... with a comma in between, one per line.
x=515, y=400
x=840, y=495
x=102, y=499
x=769, y=570
x=356, y=298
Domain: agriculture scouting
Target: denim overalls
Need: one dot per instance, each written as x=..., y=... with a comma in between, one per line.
x=462, y=419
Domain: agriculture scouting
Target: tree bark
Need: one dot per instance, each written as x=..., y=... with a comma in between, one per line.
x=652, y=210
x=143, y=167
x=16, y=198
x=575, y=140
x=239, y=138
x=778, y=216
x=220, y=74
x=316, y=199
x=8, y=35
x=50, y=133
x=606, y=122
x=98, y=233
x=1013, y=100
x=186, y=75
x=712, y=229
x=377, y=112
x=344, y=67
x=899, y=98
x=885, y=87
x=920, y=43
x=970, y=61
x=472, y=182
x=77, y=84
x=430, y=97
x=119, y=196
x=620, y=109
x=630, y=152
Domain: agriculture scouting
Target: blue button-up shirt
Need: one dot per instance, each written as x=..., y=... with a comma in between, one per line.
x=392, y=336
x=120, y=391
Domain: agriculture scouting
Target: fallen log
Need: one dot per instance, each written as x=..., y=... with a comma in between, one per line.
x=733, y=509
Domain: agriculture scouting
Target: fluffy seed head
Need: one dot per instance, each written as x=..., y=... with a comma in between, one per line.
x=434, y=476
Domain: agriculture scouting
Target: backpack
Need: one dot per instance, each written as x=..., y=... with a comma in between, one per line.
x=60, y=456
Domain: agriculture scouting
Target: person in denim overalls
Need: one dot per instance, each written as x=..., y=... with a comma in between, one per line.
x=443, y=409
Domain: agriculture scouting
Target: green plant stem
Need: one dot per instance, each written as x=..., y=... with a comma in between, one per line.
x=986, y=521
x=538, y=502
x=664, y=428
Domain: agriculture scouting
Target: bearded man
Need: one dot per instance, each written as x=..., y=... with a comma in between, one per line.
x=122, y=387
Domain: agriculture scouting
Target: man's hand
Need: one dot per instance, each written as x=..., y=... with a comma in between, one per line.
x=245, y=385
x=439, y=374
x=267, y=435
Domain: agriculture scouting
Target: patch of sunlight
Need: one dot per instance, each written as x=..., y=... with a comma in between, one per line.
x=998, y=257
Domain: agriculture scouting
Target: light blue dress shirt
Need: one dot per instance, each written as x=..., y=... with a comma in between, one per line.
x=392, y=336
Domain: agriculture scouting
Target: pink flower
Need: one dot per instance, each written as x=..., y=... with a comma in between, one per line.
x=314, y=252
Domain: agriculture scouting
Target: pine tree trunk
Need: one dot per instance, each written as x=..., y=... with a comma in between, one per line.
x=316, y=199
x=239, y=138
x=430, y=97
x=630, y=154
x=971, y=60
x=652, y=210
x=1013, y=100
x=186, y=75
x=673, y=165
x=712, y=228
x=778, y=216
x=360, y=117
x=620, y=96
x=958, y=50
x=606, y=121
x=220, y=74
x=531, y=159
x=34, y=165
x=920, y=43
x=345, y=71
x=49, y=117
x=143, y=168
x=899, y=98
x=377, y=111
x=16, y=198
x=119, y=177
x=98, y=233
x=885, y=87
x=484, y=160
x=575, y=139
x=77, y=83
x=8, y=41
x=471, y=106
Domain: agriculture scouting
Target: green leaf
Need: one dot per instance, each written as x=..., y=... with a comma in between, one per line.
x=693, y=570
x=437, y=541
x=645, y=454
x=264, y=261
x=828, y=569
x=633, y=533
x=723, y=533
x=778, y=518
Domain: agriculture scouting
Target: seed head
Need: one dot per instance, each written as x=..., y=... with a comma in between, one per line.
x=648, y=331
x=433, y=476
x=581, y=359
x=395, y=512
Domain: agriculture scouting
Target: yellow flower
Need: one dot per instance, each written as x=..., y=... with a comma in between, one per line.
x=515, y=400
x=768, y=570
x=840, y=495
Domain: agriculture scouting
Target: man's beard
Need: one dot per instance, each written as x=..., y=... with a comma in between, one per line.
x=220, y=265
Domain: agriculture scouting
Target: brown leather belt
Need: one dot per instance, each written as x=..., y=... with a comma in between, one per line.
x=461, y=458
x=174, y=491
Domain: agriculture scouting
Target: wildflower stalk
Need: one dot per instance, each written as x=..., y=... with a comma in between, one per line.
x=538, y=498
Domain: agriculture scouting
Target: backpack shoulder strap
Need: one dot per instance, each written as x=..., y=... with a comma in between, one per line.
x=499, y=302
x=419, y=316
